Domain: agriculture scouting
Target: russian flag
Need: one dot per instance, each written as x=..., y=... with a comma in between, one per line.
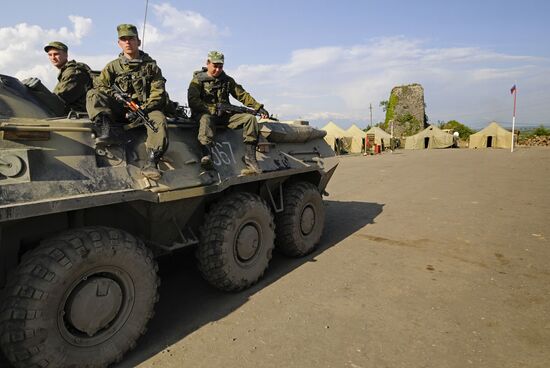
x=513, y=89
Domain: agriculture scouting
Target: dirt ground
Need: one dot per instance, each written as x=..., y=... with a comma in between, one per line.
x=434, y=258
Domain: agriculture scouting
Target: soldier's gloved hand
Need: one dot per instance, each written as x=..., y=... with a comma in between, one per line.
x=263, y=112
x=31, y=82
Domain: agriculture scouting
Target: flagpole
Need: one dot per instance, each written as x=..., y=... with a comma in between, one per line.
x=515, y=92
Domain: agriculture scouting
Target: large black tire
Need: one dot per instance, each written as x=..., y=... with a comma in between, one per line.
x=300, y=224
x=80, y=299
x=237, y=241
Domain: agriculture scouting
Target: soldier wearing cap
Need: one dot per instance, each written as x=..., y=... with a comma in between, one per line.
x=210, y=86
x=74, y=78
x=138, y=75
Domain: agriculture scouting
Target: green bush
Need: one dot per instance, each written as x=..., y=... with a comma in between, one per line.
x=456, y=126
x=410, y=124
x=389, y=107
x=541, y=130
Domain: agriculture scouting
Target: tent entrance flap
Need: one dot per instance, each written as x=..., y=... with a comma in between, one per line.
x=489, y=141
x=426, y=142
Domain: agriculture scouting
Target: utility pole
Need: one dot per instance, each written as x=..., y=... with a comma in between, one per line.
x=370, y=108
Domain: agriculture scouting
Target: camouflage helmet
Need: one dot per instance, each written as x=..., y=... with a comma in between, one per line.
x=215, y=57
x=127, y=30
x=56, y=45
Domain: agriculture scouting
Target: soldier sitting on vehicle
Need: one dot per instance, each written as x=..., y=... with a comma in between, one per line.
x=211, y=86
x=137, y=75
x=73, y=81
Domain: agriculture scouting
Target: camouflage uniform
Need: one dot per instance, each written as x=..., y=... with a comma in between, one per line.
x=73, y=81
x=205, y=92
x=142, y=79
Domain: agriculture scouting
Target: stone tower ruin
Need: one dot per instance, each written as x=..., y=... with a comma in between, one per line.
x=406, y=110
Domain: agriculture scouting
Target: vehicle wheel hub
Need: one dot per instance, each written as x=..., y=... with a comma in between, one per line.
x=247, y=242
x=307, y=222
x=94, y=304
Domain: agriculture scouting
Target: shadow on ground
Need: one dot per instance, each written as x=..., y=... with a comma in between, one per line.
x=187, y=302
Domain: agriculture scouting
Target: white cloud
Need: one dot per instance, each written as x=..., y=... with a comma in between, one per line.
x=484, y=74
x=341, y=82
x=82, y=26
x=337, y=82
x=189, y=35
x=21, y=47
x=182, y=25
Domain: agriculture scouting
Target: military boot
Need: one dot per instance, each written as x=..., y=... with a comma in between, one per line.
x=206, y=159
x=250, y=159
x=102, y=128
x=150, y=168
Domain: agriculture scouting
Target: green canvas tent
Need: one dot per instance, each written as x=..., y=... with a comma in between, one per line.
x=380, y=136
x=431, y=137
x=492, y=136
x=357, y=138
x=337, y=138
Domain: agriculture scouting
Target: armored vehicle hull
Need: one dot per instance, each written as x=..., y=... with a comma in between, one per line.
x=80, y=227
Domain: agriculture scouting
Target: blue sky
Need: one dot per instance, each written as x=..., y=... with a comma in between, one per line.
x=316, y=60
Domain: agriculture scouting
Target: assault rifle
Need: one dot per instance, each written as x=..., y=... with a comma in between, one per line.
x=135, y=109
x=224, y=108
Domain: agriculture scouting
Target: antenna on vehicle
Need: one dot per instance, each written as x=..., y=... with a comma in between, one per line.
x=144, y=23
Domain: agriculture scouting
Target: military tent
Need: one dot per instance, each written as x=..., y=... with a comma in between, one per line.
x=357, y=139
x=492, y=136
x=380, y=136
x=431, y=137
x=337, y=138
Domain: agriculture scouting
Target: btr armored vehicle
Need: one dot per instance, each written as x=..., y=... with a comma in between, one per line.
x=81, y=228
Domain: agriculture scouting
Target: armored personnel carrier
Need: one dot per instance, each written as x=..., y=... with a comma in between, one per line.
x=81, y=228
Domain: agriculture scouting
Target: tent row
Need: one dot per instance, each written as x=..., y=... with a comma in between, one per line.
x=492, y=136
x=353, y=140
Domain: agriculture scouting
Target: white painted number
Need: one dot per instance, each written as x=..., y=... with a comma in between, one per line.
x=220, y=156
